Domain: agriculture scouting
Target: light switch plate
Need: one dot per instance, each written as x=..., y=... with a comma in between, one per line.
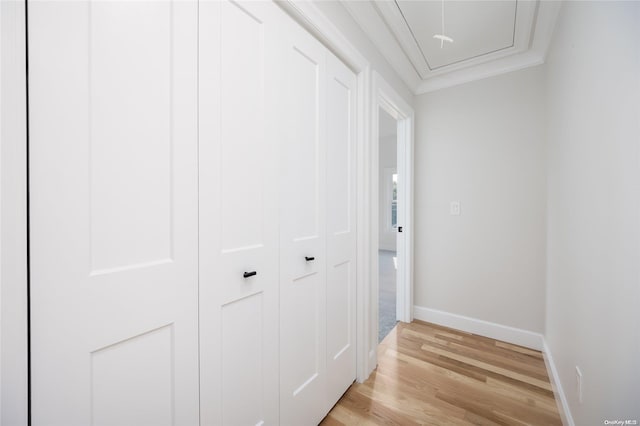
x=455, y=208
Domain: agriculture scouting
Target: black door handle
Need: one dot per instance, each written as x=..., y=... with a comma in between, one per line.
x=249, y=274
x=399, y=228
x=309, y=258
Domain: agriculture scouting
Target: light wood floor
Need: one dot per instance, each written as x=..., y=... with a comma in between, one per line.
x=432, y=375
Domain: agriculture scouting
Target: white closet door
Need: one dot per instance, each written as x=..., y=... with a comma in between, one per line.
x=341, y=229
x=302, y=230
x=114, y=212
x=239, y=57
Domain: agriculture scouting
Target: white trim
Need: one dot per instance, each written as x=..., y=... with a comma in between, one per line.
x=479, y=72
x=388, y=99
x=516, y=336
x=365, y=15
x=365, y=363
x=1, y=215
x=406, y=145
x=558, y=392
x=13, y=214
x=546, y=19
x=310, y=17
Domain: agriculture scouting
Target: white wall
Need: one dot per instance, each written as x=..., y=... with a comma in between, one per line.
x=593, y=294
x=483, y=144
x=388, y=159
x=343, y=21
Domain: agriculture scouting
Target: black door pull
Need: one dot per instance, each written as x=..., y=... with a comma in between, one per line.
x=309, y=258
x=399, y=228
x=249, y=274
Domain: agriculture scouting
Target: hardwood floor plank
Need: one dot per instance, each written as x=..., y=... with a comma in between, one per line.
x=524, y=366
x=433, y=375
x=520, y=349
x=345, y=414
x=340, y=416
x=485, y=366
x=418, y=403
x=378, y=412
x=479, y=420
x=534, y=370
x=450, y=383
x=524, y=394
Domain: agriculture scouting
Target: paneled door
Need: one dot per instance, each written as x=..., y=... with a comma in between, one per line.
x=239, y=85
x=341, y=229
x=114, y=213
x=302, y=230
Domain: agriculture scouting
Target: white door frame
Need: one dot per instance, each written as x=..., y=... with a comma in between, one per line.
x=13, y=214
x=386, y=98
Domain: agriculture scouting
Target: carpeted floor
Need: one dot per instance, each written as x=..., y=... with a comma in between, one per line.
x=387, y=293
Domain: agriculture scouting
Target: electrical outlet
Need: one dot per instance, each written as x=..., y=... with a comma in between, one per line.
x=454, y=209
x=579, y=384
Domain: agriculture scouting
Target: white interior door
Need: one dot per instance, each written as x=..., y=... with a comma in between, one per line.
x=341, y=229
x=239, y=212
x=114, y=213
x=302, y=229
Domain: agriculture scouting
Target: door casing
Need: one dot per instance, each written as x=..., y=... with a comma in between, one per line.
x=387, y=99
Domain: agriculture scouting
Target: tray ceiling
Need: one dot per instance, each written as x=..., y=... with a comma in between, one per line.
x=489, y=37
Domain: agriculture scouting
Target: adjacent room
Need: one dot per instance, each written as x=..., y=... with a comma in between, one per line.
x=329, y=212
x=387, y=223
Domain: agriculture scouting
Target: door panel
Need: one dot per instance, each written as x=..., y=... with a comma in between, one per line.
x=123, y=373
x=239, y=84
x=130, y=195
x=242, y=124
x=243, y=352
x=339, y=300
x=305, y=143
x=113, y=192
x=341, y=232
x=302, y=232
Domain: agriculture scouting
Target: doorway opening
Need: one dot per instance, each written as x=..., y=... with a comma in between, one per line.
x=390, y=213
x=387, y=223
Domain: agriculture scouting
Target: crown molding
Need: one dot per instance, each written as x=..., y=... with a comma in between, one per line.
x=540, y=19
x=397, y=25
x=365, y=15
x=479, y=72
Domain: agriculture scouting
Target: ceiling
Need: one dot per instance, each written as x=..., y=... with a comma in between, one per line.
x=489, y=37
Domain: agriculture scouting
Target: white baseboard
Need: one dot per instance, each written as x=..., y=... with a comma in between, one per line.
x=505, y=333
x=558, y=393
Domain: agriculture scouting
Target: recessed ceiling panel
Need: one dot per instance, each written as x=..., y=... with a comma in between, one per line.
x=476, y=27
x=490, y=37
